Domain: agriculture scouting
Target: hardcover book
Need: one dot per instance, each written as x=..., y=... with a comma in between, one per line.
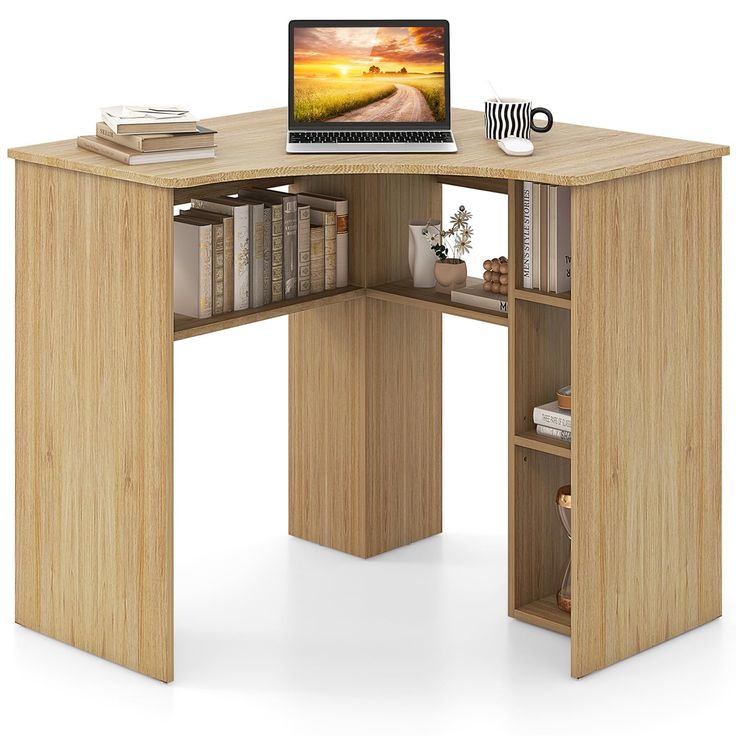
x=327, y=219
x=304, y=274
x=192, y=268
x=128, y=156
x=526, y=235
x=317, y=258
x=289, y=241
x=228, y=248
x=473, y=295
x=202, y=138
x=267, y=252
x=550, y=415
x=340, y=207
x=240, y=212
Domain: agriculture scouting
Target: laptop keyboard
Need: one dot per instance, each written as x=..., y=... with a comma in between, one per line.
x=371, y=136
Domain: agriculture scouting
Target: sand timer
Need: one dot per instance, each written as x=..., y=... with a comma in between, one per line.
x=564, y=509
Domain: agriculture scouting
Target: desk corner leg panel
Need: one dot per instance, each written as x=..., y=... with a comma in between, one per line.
x=94, y=415
x=365, y=425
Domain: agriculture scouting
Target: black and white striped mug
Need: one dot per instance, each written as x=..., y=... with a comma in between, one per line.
x=514, y=117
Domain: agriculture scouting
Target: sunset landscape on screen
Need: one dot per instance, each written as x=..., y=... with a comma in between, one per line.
x=377, y=75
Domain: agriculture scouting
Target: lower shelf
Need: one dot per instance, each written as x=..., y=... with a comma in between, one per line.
x=541, y=443
x=405, y=293
x=544, y=613
x=190, y=327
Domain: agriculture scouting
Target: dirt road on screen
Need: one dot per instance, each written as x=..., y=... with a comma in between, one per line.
x=406, y=105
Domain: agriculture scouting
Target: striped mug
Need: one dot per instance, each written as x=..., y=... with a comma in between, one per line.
x=514, y=117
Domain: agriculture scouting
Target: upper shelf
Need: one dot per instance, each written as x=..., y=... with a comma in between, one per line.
x=251, y=146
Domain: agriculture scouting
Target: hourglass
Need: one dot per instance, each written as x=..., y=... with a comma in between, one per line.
x=564, y=509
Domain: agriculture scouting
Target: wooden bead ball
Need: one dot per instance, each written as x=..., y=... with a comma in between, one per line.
x=503, y=289
x=487, y=265
x=487, y=275
x=503, y=259
x=504, y=268
x=504, y=278
x=487, y=286
x=495, y=287
x=495, y=277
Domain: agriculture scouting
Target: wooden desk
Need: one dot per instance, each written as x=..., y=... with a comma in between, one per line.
x=638, y=337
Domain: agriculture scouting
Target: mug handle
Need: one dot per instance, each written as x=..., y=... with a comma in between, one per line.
x=543, y=111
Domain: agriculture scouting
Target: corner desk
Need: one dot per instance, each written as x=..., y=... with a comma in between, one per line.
x=638, y=337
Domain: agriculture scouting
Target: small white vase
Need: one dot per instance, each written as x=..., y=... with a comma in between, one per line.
x=421, y=256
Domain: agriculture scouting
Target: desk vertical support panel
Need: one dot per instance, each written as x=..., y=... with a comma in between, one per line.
x=94, y=376
x=646, y=377
x=365, y=386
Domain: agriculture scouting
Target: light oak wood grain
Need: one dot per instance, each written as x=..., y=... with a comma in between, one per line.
x=185, y=326
x=545, y=613
x=541, y=547
x=403, y=292
x=252, y=146
x=542, y=358
x=365, y=425
x=404, y=424
x=380, y=209
x=94, y=347
x=646, y=447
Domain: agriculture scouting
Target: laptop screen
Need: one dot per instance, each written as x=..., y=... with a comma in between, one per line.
x=369, y=74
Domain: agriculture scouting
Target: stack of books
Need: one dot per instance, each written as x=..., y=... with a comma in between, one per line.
x=545, y=245
x=256, y=248
x=146, y=135
x=553, y=421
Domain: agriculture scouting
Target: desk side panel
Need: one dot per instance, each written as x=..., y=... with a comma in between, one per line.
x=646, y=450
x=94, y=353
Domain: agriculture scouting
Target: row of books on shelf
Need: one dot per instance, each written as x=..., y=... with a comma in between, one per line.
x=146, y=135
x=545, y=247
x=256, y=248
x=554, y=419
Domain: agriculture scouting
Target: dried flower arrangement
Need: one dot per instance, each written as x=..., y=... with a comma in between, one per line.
x=459, y=235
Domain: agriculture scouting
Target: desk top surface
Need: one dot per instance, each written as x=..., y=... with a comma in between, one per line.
x=252, y=146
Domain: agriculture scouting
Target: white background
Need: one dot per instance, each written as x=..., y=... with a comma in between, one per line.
x=274, y=635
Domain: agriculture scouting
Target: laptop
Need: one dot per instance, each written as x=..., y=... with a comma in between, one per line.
x=365, y=86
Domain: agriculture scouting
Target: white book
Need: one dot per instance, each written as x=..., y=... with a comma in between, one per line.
x=256, y=249
x=339, y=206
x=135, y=119
x=536, y=265
x=474, y=295
x=564, y=247
x=552, y=239
x=558, y=434
x=550, y=415
x=240, y=212
x=526, y=235
x=193, y=270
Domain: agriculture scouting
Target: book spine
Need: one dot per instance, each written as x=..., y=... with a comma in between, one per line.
x=330, y=250
x=256, y=257
x=543, y=236
x=304, y=275
x=526, y=235
x=291, y=245
x=559, y=434
x=267, y=253
x=205, y=272
x=552, y=240
x=564, y=250
x=229, y=264
x=92, y=145
x=317, y=258
x=553, y=419
x=241, y=285
x=134, y=142
x=218, y=268
x=342, y=247
x=536, y=234
x=277, y=255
